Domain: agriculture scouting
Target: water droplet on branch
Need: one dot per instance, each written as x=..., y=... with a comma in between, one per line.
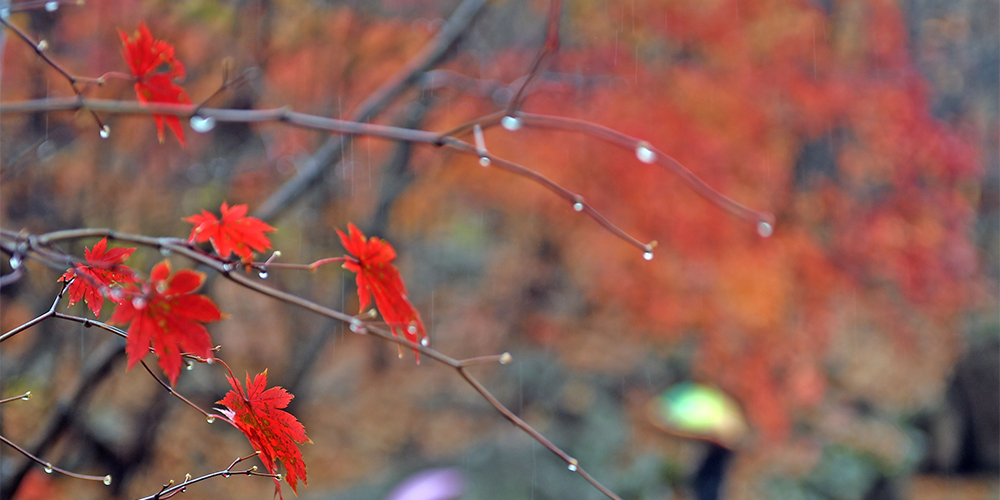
x=358, y=327
x=210, y=419
x=262, y=274
x=26, y=396
x=572, y=465
x=107, y=480
x=644, y=152
x=105, y=132
x=506, y=358
x=510, y=123
x=765, y=229
x=202, y=124
x=48, y=468
x=15, y=261
x=484, y=161
x=647, y=255
x=425, y=341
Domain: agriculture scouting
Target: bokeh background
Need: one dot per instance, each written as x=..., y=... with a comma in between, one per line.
x=861, y=341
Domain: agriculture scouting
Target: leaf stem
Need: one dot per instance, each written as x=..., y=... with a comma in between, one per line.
x=175, y=393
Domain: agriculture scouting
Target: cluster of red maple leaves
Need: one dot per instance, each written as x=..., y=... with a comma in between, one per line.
x=167, y=317
x=156, y=72
x=165, y=314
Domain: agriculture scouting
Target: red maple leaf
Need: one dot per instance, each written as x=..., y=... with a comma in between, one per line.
x=166, y=313
x=155, y=68
x=234, y=233
x=271, y=430
x=104, y=269
x=372, y=259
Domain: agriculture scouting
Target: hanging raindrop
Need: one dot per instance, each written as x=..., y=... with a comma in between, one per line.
x=358, y=327
x=26, y=396
x=105, y=132
x=164, y=251
x=425, y=341
x=42, y=45
x=15, y=262
x=506, y=358
x=765, y=229
x=51, y=6
x=510, y=123
x=484, y=161
x=202, y=124
x=48, y=468
x=578, y=207
x=572, y=465
x=210, y=419
x=262, y=274
x=644, y=152
x=107, y=480
x=189, y=366
x=647, y=255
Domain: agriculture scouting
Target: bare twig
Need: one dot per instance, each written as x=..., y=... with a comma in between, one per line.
x=39, y=48
x=326, y=156
x=39, y=319
x=97, y=367
x=170, y=489
x=548, y=48
x=647, y=153
x=49, y=468
x=23, y=397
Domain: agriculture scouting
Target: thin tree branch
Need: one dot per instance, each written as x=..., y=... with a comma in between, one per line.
x=208, y=416
x=39, y=319
x=170, y=489
x=49, y=468
x=548, y=48
x=97, y=367
x=356, y=325
x=327, y=155
x=39, y=48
